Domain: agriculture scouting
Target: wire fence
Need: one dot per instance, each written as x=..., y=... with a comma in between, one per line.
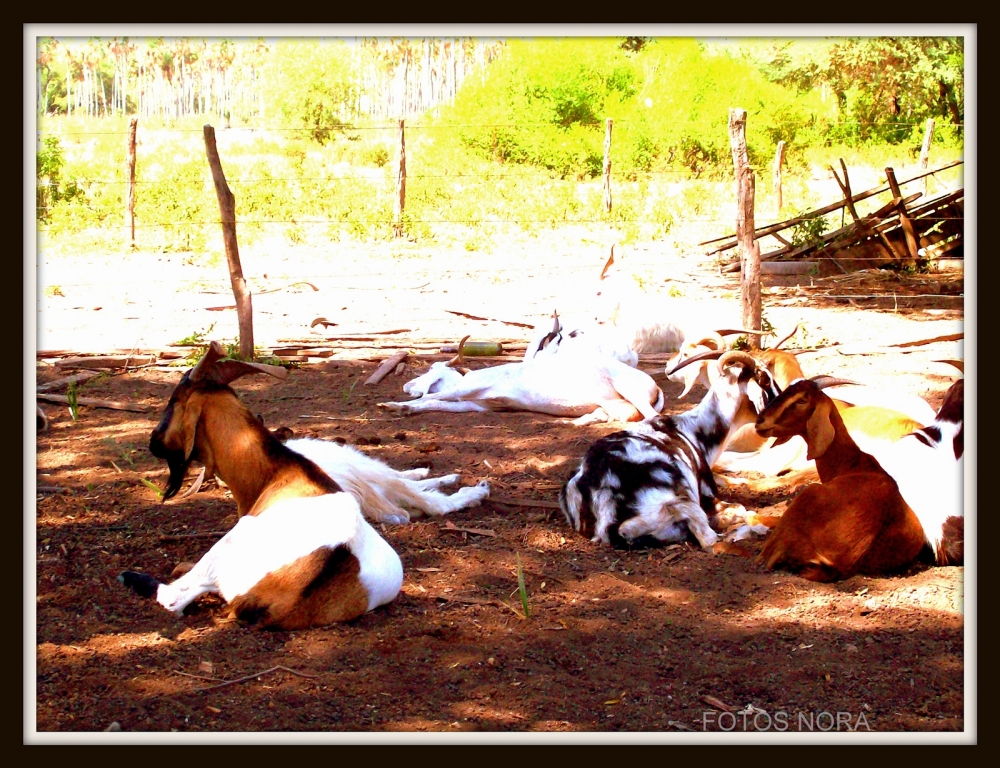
x=352, y=190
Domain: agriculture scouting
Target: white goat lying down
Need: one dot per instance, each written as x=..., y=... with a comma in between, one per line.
x=580, y=384
x=628, y=317
x=657, y=480
x=303, y=555
x=385, y=494
x=928, y=466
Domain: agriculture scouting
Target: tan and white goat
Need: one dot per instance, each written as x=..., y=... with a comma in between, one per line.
x=302, y=554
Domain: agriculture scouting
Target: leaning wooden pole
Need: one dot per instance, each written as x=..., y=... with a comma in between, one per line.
x=749, y=250
x=227, y=210
x=607, y=164
x=779, y=159
x=130, y=183
x=925, y=150
x=397, y=227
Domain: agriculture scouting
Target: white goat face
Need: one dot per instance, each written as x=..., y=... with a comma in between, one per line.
x=438, y=377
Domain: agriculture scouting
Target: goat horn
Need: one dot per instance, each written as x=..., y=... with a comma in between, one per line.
x=555, y=321
x=214, y=352
x=960, y=364
x=713, y=337
x=731, y=331
x=822, y=382
x=737, y=356
x=608, y=263
x=712, y=354
x=459, y=359
x=794, y=331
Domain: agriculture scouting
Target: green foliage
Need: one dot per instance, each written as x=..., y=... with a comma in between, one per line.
x=50, y=186
x=311, y=84
x=809, y=231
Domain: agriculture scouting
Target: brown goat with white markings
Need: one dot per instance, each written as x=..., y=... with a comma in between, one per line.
x=857, y=520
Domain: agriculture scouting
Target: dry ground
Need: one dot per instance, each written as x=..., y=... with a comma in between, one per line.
x=663, y=641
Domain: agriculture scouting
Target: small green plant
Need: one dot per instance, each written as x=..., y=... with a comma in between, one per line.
x=152, y=486
x=195, y=339
x=742, y=342
x=71, y=398
x=345, y=392
x=521, y=589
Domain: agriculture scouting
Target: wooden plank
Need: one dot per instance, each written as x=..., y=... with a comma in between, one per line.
x=76, y=378
x=732, y=240
x=111, y=404
x=106, y=361
x=389, y=364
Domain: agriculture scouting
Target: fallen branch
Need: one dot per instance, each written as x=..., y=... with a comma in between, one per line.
x=478, y=531
x=182, y=536
x=383, y=370
x=251, y=677
x=290, y=285
x=107, y=361
x=76, y=378
x=490, y=319
x=525, y=503
x=110, y=404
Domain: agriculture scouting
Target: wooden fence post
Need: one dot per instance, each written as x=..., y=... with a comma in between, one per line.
x=904, y=221
x=779, y=159
x=130, y=184
x=227, y=211
x=607, y=164
x=925, y=150
x=397, y=227
x=749, y=250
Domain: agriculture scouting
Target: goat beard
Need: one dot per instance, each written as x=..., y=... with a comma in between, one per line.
x=178, y=466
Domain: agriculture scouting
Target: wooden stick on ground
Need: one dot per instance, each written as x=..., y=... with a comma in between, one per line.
x=111, y=404
x=76, y=378
x=387, y=365
x=252, y=677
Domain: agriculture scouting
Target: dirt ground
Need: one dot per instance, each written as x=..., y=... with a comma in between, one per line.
x=669, y=642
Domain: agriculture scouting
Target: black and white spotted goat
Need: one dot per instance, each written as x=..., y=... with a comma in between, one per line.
x=655, y=481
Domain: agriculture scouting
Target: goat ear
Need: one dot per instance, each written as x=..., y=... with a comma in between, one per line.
x=819, y=431
x=227, y=371
x=189, y=424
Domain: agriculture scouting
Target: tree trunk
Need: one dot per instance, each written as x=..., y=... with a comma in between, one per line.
x=227, y=211
x=397, y=228
x=749, y=250
x=607, y=164
x=130, y=185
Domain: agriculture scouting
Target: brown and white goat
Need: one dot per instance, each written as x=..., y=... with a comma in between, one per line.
x=302, y=555
x=856, y=521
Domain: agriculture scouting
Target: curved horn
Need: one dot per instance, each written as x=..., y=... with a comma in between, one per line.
x=960, y=364
x=794, y=331
x=459, y=359
x=822, y=382
x=214, y=352
x=737, y=356
x=608, y=263
x=712, y=354
x=710, y=339
x=731, y=331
